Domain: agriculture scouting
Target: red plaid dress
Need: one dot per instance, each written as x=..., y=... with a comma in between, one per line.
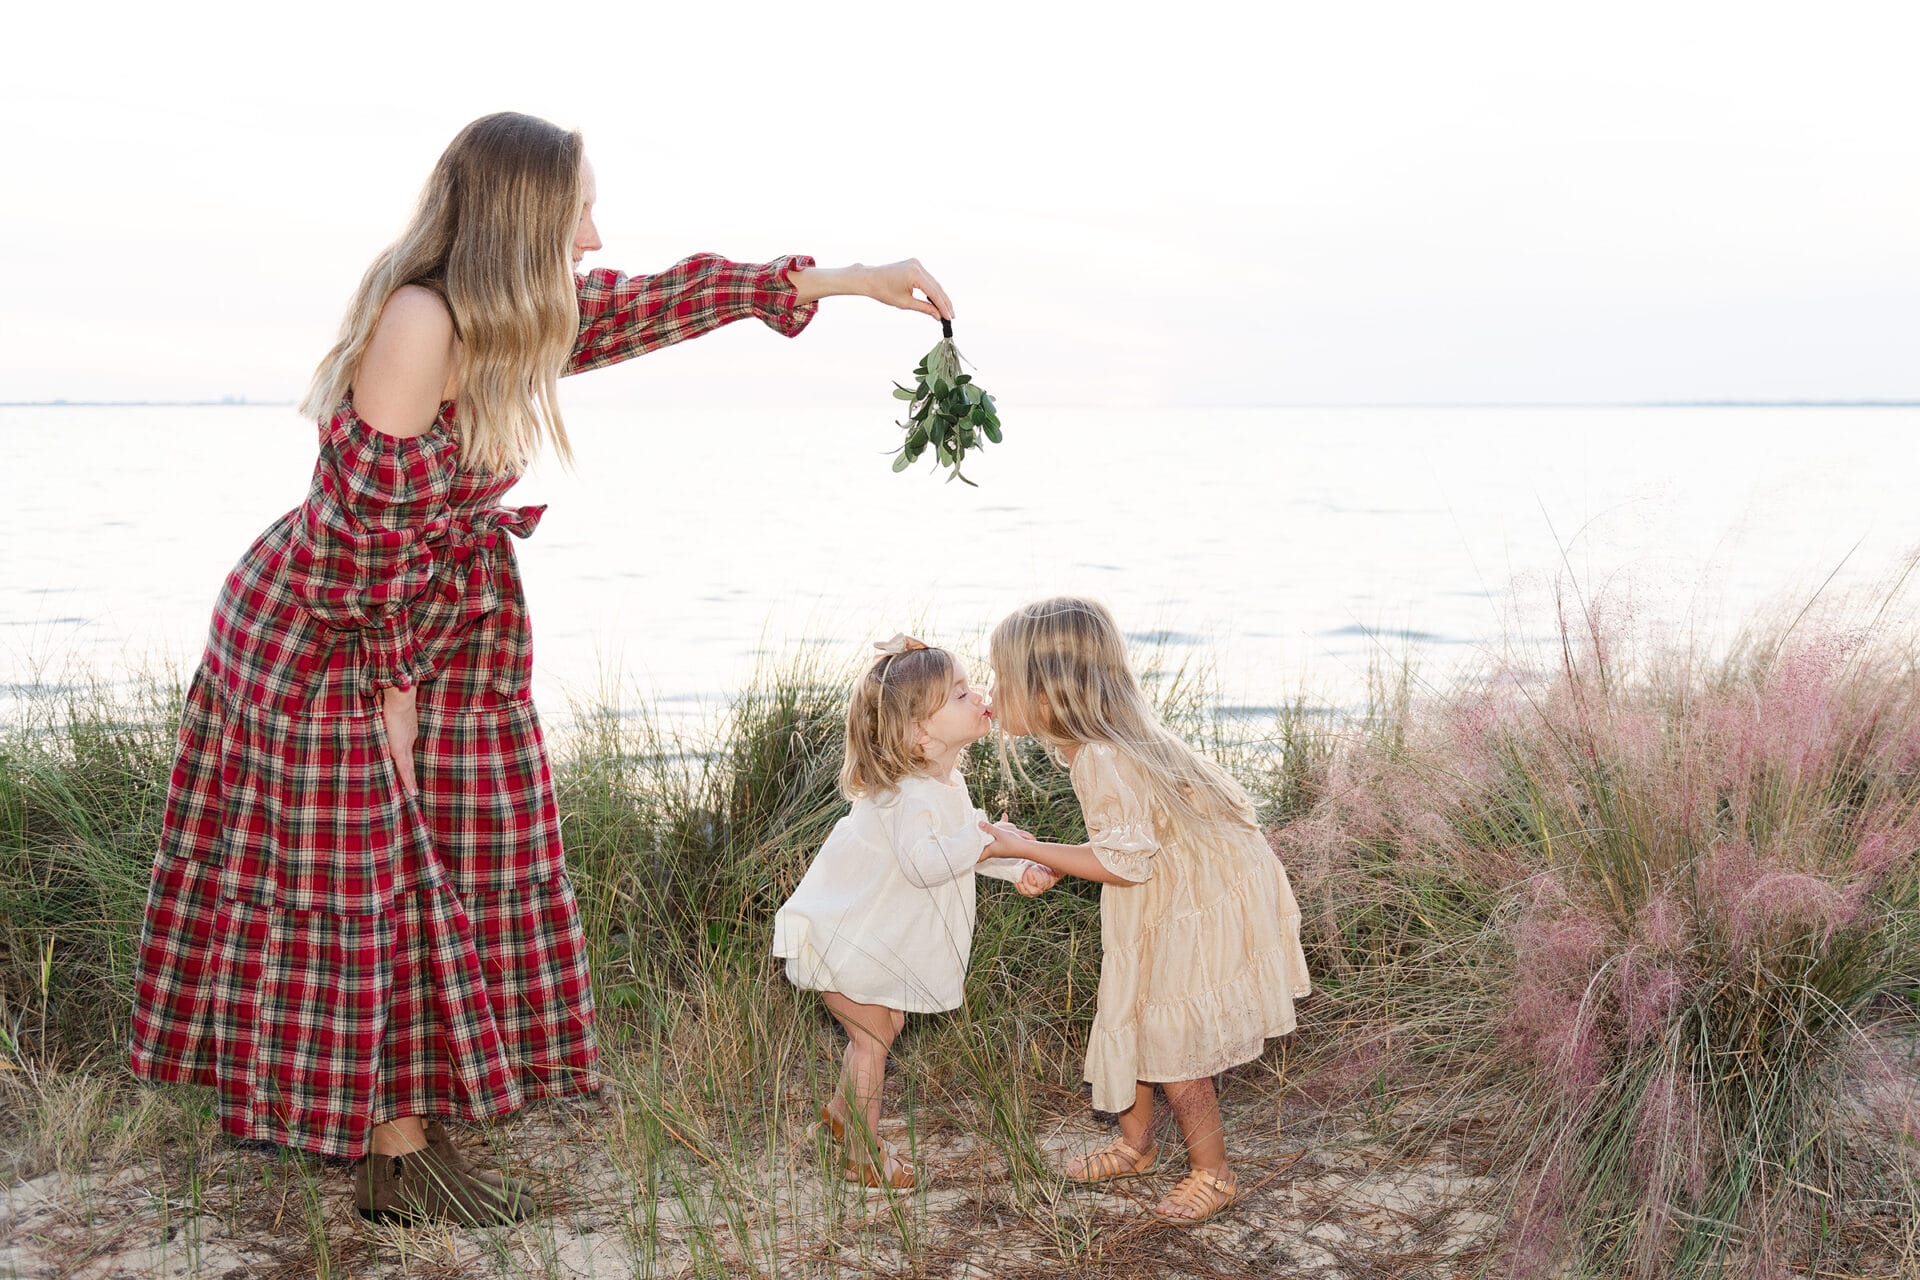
x=324, y=951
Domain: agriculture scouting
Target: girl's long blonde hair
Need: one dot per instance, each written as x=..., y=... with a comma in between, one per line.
x=1071, y=652
x=896, y=690
x=493, y=236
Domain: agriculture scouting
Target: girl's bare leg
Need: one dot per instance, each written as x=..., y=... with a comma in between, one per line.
x=1198, y=1112
x=871, y=1029
x=1136, y=1122
x=849, y=1086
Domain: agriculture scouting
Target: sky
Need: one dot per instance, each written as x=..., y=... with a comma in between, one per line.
x=1193, y=204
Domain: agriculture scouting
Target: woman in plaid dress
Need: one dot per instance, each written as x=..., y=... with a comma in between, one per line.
x=359, y=918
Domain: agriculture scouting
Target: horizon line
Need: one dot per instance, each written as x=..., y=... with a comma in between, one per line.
x=229, y=402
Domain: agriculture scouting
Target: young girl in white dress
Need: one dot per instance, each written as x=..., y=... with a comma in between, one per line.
x=1199, y=931
x=882, y=923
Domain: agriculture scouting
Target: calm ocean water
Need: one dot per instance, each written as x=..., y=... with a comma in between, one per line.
x=1287, y=547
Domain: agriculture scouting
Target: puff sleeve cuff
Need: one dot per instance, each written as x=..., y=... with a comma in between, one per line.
x=393, y=655
x=1003, y=868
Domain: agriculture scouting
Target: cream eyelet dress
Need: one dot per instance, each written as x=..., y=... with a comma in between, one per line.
x=1200, y=958
x=884, y=914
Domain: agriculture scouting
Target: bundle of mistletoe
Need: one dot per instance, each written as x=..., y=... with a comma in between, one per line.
x=950, y=413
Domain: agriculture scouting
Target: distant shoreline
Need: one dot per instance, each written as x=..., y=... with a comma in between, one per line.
x=146, y=404
x=1395, y=404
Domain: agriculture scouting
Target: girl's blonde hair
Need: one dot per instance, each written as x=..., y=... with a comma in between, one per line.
x=894, y=692
x=1071, y=652
x=493, y=236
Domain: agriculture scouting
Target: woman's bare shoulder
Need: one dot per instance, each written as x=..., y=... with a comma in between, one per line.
x=408, y=361
x=418, y=309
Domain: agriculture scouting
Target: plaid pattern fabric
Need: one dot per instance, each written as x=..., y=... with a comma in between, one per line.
x=323, y=951
x=623, y=316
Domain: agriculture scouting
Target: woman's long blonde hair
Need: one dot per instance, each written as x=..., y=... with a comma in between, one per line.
x=1071, y=652
x=894, y=693
x=493, y=236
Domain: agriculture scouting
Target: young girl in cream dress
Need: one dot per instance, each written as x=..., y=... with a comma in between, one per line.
x=882, y=923
x=1199, y=931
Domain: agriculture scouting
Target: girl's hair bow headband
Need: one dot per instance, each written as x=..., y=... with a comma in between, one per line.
x=901, y=643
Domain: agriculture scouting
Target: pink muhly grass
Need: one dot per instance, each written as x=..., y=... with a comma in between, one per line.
x=1662, y=924
x=1726, y=869
x=1797, y=710
x=1874, y=854
x=1637, y=737
x=1540, y=1238
x=1802, y=900
x=1559, y=1036
x=1472, y=725
x=1880, y=850
x=1650, y=993
x=1738, y=750
x=1560, y=950
x=1553, y=1020
x=1320, y=862
x=1428, y=837
x=1749, y=897
x=1489, y=870
x=1357, y=807
x=1581, y=1057
x=1667, y=1142
x=1902, y=751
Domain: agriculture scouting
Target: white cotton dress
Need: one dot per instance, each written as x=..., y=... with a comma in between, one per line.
x=884, y=915
x=1200, y=958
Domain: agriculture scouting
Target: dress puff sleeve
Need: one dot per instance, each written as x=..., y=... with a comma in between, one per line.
x=1119, y=815
x=936, y=840
x=364, y=548
x=623, y=316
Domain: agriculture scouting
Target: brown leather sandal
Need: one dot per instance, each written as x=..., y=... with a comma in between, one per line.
x=440, y=1141
x=895, y=1173
x=422, y=1187
x=1113, y=1162
x=1202, y=1195
x=827, y=1124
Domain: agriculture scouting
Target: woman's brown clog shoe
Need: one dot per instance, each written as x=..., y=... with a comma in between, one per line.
x=422, y=1187
x=441, y=1142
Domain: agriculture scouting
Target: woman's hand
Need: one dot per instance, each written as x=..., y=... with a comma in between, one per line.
x=893, y=284
x=397, y=708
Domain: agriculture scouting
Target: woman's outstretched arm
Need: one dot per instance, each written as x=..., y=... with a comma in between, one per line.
x=623, y=316
x=894, y=284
